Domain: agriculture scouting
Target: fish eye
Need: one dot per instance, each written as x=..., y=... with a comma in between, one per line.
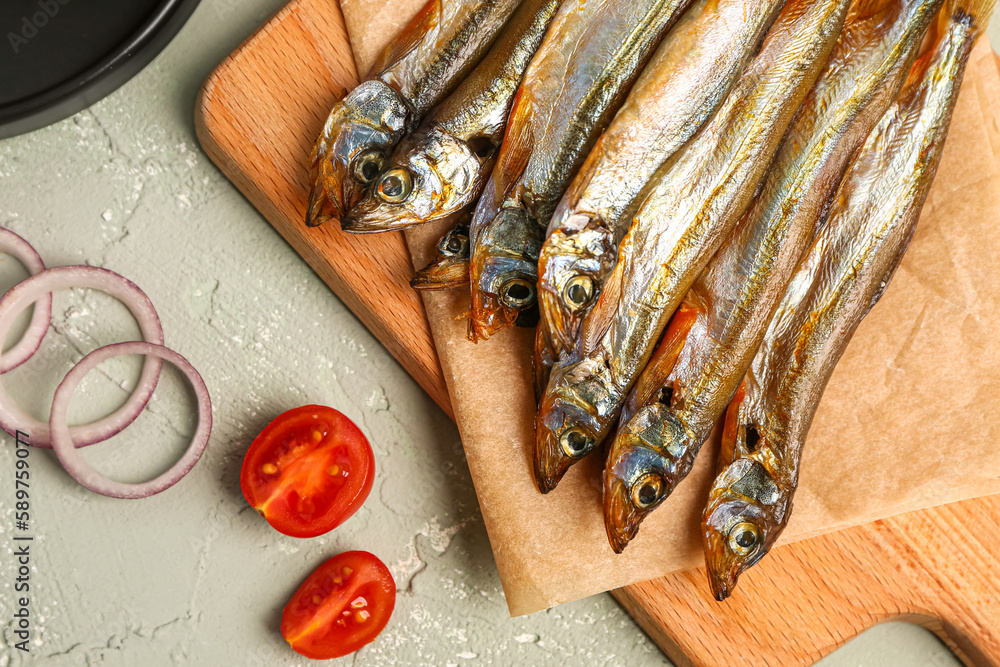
x=395, y=186
x=368, y=166
x=457, y=244
x=647, y=490
x=744, y=538
x=517, y=293
x=579, y=290
x=575, y=442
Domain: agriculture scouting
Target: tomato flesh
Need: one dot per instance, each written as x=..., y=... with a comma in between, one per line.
x=308, y=471
x=342, y=606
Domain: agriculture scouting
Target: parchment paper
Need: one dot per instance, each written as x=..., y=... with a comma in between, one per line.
x=908, y=421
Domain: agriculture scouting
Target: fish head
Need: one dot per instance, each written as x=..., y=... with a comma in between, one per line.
x=640, y=471
x=455, y=242
x=354, y=147
x=431, y=176
x=570, y=422
x=504, y=272
x=574, y=262
x=451, y=266
x=745, y=514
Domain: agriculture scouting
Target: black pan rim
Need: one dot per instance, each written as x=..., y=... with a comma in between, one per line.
x=110, y=73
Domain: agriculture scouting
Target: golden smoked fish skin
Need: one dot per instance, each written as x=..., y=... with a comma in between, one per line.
x=679, y=398
x=435, y=52
x=440, y=169
x=690, y=74
x=594, y=51
x=681, y=224
x=844, y=273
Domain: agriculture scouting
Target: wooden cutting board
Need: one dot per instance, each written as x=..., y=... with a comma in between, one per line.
x=257, y=118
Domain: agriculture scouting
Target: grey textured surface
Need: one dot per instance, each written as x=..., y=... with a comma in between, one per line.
x=193, y=576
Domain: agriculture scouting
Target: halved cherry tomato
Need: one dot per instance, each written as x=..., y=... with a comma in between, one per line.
x=342, y=606
x=308, y=471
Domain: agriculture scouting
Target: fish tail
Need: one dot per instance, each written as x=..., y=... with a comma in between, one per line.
x=974, y=13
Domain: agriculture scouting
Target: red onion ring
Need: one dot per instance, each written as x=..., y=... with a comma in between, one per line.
x=17, y=247
x=62, y=441
x=21, y=295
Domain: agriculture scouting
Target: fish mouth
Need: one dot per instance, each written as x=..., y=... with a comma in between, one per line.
x=442, y=274
x=323, y=208
x=721, y=588
x=361, y=221
x=356, y=223
x=550, y=464
x=621, y=520
x=350, y=223
x=722, y=583
x=723, y=570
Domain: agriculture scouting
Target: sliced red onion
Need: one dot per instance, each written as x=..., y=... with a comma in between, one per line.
x=62, y=442
x=17, y=247
x=20, y=296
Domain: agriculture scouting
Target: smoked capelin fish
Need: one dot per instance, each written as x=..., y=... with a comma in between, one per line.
x=682, y=223
x=450, y=267
x=418, y=69
x=592, y=54
x=687, y=78
x=685, y=388
x=845, y=272
x=440, y=169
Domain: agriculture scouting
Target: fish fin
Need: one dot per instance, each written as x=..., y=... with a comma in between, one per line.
x=657, y=375
x=319, y=210
x=730, y=445
x=515, y=151
x=976, y=13
x=583, y=178
x=413, y=34
x=597, y=322
x=544, y=359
